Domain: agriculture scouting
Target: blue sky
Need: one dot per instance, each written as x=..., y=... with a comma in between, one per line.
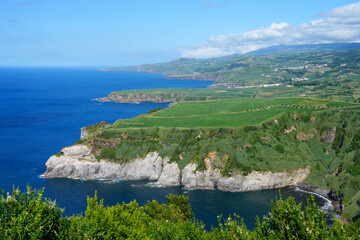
x=127, y=32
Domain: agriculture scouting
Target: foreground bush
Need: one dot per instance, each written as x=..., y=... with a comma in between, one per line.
x=30, y=216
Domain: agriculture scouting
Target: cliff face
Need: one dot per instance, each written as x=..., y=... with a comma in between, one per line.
x=84, y=133
x=192, y=179
x=170, y=175
x=212, y=179
x=262, y=180
x=78, y=162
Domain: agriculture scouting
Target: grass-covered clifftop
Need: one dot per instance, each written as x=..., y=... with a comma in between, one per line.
x=243, y=135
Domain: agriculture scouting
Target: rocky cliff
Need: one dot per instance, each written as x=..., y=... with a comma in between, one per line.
x=84, y=133
x=78, y=162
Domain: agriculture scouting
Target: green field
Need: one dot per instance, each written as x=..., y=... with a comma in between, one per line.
x=226, y=113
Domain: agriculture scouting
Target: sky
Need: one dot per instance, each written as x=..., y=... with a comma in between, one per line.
x=110, y=33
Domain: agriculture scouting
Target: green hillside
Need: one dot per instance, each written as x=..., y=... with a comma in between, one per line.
x=307, y=48
x=245, y=70
x=244, y=135
x=324, y=74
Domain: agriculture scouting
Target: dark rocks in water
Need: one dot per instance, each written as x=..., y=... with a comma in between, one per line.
x=325, y=192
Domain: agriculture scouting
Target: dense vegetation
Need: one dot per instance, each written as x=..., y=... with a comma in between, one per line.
x=240, y=136
x=30, y=216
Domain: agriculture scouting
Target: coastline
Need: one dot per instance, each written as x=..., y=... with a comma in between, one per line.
x=78, y=162
x=325, y=193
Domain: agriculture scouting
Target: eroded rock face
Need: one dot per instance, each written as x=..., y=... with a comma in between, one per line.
x=170, y=175
x=192, y=179
x=76, y=151
x=328, y=136
x=262, y=180
x=212, y=179
x=78, y=162
x=84, y=133
x=304, y=136
x=290, y=129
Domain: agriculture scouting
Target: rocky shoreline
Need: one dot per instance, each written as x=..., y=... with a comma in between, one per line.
x=336, y=202
x=77, y=162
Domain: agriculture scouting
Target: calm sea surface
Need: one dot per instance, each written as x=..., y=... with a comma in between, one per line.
x=42, y=111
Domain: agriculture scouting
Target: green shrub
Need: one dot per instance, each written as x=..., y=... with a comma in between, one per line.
x=29, y=216
x=280, y=148
x=339, y=139
x=288, y=221
x=59, y=154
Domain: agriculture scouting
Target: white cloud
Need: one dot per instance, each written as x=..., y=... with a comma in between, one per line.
x=341, y=24
x=348, y=11
x=204, y=52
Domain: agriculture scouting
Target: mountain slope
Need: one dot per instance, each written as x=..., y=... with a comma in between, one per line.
x=306, y=48
x=306, y=62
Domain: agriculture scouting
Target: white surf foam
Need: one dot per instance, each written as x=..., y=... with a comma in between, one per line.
x=328, y=206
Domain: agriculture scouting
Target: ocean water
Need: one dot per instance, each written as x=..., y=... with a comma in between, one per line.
x=42, y=111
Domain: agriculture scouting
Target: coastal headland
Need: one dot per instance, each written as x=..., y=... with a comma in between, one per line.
x=77, y=162
x=229, y=145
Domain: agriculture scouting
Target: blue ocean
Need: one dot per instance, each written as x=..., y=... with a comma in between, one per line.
x=42, y=111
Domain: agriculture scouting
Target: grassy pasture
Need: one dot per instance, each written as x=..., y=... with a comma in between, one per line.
x=226, y=113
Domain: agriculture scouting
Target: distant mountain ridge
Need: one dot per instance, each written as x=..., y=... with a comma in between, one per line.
x=272, y=50
x=305, y=48
x=272, y=65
